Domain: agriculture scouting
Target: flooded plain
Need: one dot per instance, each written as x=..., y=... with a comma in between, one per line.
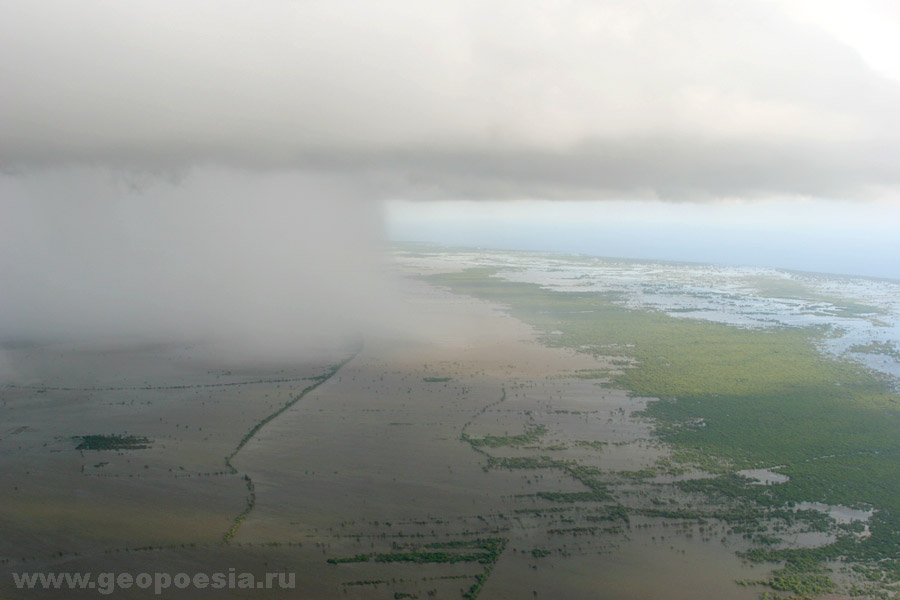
x=459, y=436
x=862, y=313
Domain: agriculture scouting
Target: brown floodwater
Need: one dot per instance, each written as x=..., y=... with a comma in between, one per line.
x=370, y=461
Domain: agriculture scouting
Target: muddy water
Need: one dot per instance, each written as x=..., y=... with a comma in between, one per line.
x=369, y=462
x=635, y=569
x=373, y=462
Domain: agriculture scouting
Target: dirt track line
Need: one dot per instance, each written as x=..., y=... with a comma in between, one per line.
x=251, y=497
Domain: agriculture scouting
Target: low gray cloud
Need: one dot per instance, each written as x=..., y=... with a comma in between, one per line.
x=685, y=98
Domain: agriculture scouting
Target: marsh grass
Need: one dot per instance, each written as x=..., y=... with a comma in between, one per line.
x=733, y=398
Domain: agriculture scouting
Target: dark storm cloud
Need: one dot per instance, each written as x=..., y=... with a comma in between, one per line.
x=688, y=98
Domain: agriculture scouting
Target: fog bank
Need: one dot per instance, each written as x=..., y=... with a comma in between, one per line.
x=269, y=260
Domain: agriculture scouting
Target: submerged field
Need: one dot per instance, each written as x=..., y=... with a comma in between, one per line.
x=736, y=398
x=591, y=446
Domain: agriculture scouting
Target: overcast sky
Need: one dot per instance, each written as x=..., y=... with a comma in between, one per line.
x=316, y=112
x=676, y=98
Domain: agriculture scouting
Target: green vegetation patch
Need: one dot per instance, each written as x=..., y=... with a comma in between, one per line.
x=877, y=348
x=593, y=444
x=592, y=496
x=531, y=436
x=482, y=550
x=615, y=512
x=112, y=442
x=364, y=582
x=523, y=462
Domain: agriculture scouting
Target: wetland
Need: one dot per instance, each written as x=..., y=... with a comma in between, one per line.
x=542, y=426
